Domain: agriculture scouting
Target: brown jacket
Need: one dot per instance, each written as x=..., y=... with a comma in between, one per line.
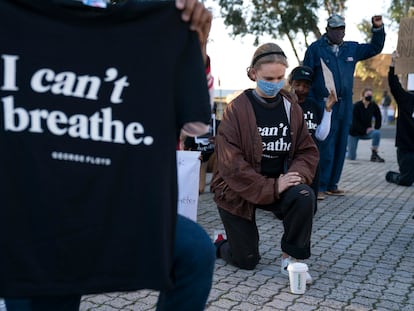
x=237, y=183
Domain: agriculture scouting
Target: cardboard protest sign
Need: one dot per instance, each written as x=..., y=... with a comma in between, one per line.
x=405, y=46
x=328, y=77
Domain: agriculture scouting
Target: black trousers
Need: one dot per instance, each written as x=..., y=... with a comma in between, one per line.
x=44, y=303
x=295, y=208
x=315, y=186
x=406, y=165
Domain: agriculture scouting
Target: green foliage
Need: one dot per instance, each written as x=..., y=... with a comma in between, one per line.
x=271, y=17
x=401, y=8
x=365, y=27
x=365, y=70
x=334, y=6
x=232, y=11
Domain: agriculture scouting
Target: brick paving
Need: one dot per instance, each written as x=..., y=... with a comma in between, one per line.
x=362, y=252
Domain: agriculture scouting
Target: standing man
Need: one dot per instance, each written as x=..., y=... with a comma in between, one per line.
x=340, y=57
x=404, y=140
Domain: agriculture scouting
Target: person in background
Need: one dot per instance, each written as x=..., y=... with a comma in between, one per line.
x=266, y=159
x=404, y=140
x=341, y=58
x=385, y=104
x=318, y=122
x=363, y=114
x=193, y=258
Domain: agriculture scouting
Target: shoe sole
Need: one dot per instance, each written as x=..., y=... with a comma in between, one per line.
x=337, y=194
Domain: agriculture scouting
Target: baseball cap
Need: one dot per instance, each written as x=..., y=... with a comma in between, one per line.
x=335, y=21
x=301, y=73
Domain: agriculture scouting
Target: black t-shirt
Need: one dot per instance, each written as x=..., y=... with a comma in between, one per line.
x=91, y=104
x=203, y=143
x=274, y=130
x=312, y=115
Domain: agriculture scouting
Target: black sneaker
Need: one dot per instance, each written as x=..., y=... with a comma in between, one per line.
x=376, y=158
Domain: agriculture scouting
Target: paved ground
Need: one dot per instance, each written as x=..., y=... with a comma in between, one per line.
x=388, y=131
x=362, y=252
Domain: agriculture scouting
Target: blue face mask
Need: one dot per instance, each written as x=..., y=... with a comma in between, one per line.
x=270, y=89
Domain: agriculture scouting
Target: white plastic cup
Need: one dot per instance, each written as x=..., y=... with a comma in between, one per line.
x=297, y=277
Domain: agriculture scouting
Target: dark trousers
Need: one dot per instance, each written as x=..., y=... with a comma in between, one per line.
x=295, y=209
x=332, y=155
x=44, y=303
x=315, y=186
x=194, y=257
x=406, y=165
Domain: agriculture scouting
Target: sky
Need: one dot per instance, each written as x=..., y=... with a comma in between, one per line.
x=230, y=57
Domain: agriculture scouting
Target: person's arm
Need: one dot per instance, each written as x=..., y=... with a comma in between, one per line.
x=377, y=116
x=194, y=129
x=394, y=83
x=367, y=50
x=323, y=129
x=358, y=121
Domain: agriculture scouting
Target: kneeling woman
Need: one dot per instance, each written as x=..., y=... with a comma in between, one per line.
x=266, y=160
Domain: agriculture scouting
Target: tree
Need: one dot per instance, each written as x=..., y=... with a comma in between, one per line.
x=365, y=69
x=295, y=19
x=401, y=8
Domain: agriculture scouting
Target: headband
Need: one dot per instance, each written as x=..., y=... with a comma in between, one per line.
x=266, y=54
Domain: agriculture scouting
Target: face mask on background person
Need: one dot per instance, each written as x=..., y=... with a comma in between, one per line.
x=270, y=89
x=336, y=35
x=368, y=98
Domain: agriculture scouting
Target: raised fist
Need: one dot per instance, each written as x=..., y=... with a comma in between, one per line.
x=376, y=21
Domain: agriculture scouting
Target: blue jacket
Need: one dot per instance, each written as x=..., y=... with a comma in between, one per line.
x=342, y=67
